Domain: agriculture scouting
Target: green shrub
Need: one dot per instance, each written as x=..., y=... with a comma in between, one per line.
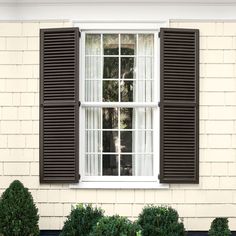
x=18, y=213
x=81, y=221
x=219, y=227
x=160, y=221
x=115, y=226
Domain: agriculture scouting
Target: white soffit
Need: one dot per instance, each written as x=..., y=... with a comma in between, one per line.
x=156, y=2
x=117, y=10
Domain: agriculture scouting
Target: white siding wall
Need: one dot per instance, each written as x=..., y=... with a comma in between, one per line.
x=19, y=128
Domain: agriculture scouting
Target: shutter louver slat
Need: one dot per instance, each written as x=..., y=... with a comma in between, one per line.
x=59, y=105
x=179, y=106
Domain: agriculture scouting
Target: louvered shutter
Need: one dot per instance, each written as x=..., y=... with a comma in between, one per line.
x=179, y=106
x=59, y=105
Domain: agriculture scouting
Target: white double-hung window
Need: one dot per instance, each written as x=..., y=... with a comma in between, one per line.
x=119, y=107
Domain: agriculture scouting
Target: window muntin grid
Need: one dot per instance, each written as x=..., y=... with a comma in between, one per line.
x=116, y=87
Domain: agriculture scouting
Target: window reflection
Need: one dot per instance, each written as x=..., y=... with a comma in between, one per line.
x=127, y=67
x=110, y=118
x=126, y=118
x=126, y=165
x=110, y=141
x=126, y=141
x=111, y=44
x=110, y=67
x=126, y=90
x=110, y=91
x=128, y=44
x=110, y=164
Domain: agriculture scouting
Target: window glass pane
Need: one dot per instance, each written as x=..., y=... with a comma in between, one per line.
x=111, y=44
x=127, y=68
x=110, y=164
x=143, y=165
x=142, y=141
x=126, y=118
x=136, y=91
x=128, y=44
x=142, y=118
x=126, y=164
x=93, y=118
x=145, y=68
x=110, y=141
x=110, y=91
x=93, y=141
x=136, y=118
x=93, y=165
x=143, y=91
x=93, y=67
x=126, y=90
x=93, y=44
x=93, y=91
x=145, y=44
x=110, y=67
x=136, y=141
x=126, y=141
x=110, y=118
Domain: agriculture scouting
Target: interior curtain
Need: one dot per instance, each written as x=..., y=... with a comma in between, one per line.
x=93, y=94
x=142, y=117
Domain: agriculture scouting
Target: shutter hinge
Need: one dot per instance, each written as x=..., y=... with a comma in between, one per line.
x=159, y=34
x=158, y=176
x=79, y=34
x=79, y=103
x=159, y=104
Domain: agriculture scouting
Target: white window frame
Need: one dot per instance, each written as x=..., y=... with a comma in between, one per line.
x=121, y=182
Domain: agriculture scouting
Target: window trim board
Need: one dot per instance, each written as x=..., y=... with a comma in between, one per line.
x=119, y=185
x=156, y=114
x=152, y=28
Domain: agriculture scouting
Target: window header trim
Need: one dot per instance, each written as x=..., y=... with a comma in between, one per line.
x=122, y=26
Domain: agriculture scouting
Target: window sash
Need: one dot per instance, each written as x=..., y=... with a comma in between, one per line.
x=154, y=105
x=120, y=104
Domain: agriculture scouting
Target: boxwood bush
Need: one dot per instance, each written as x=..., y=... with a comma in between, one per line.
x=81, y=220
x=115, y=226
x=160, y=221
x=18, y=213
x=219, y=227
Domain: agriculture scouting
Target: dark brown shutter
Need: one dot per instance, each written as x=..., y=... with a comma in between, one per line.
x=59, y=105
x=179, y=111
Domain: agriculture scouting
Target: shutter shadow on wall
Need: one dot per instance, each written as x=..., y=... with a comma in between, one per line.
x=59, y=105
x=179, y=106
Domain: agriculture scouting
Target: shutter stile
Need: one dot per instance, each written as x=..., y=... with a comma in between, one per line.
x=179, y=131
x=59, y=111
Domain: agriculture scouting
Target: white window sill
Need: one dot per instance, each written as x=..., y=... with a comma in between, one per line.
x=119, y=185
